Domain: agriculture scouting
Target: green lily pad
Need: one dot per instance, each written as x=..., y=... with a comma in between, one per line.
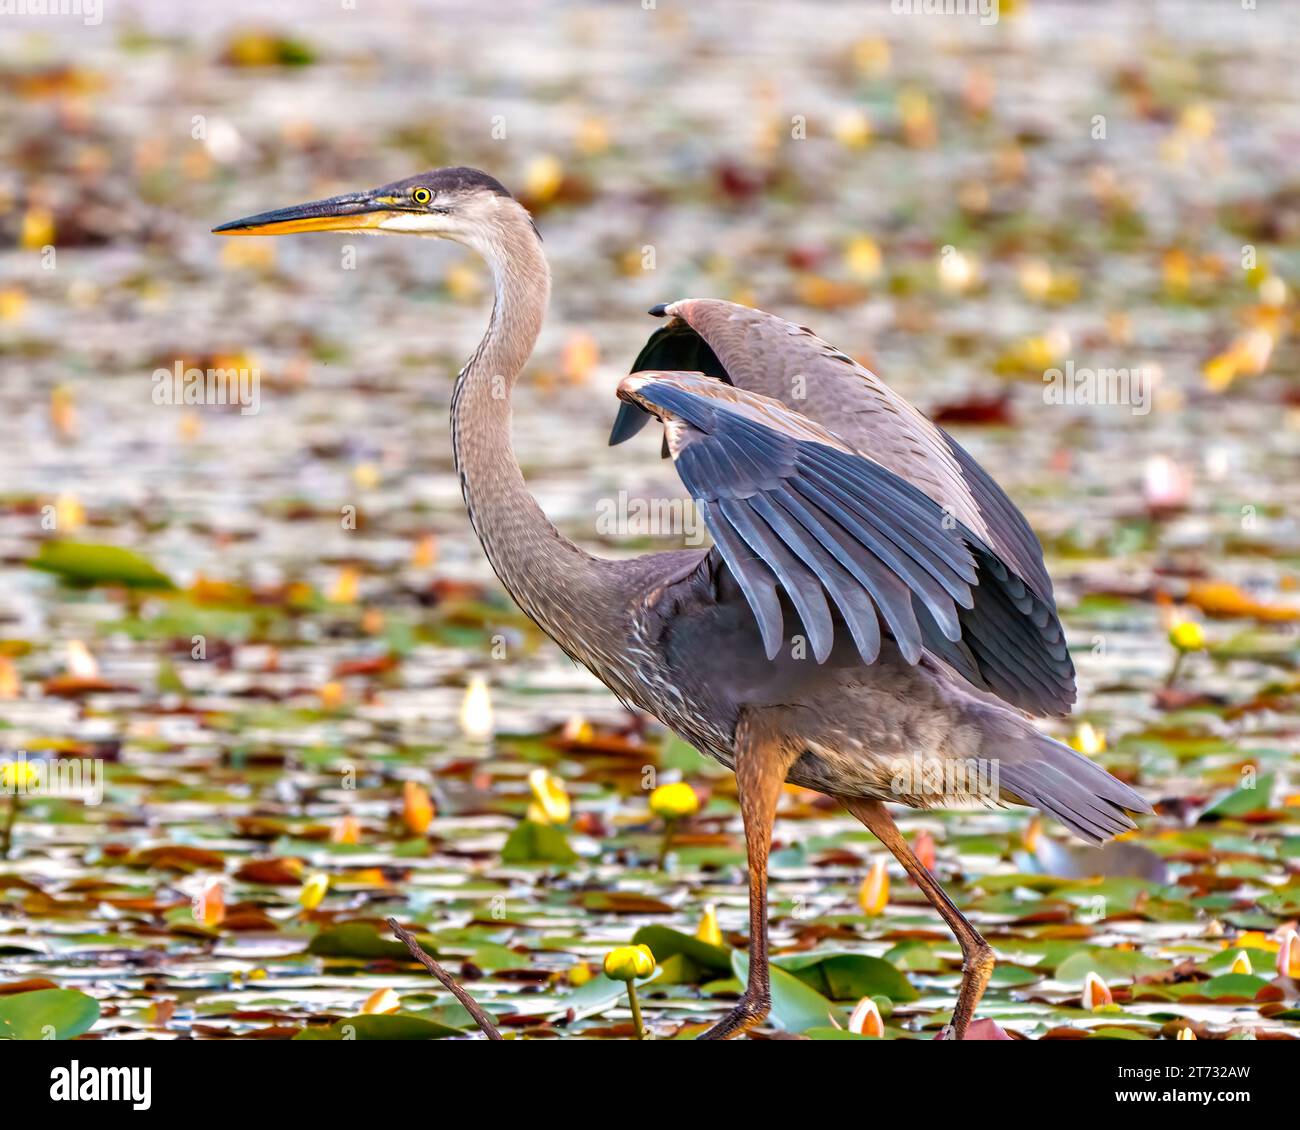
x=848, y=976
x=531, y=842
x=796, y=1006
x=1110, y=1032
x=1222, y=961
x=590, y=999
x=665, y=943
x=835, y=1034
x=1232, y=985
x=1242, y=802
x=357, y=939
x=1012, y=976
x=387, y=1026
x=83, y=564
x=1284, y=903
x=677, y=754
x=915, y=957
x=44, y=1014
x=1108, y=964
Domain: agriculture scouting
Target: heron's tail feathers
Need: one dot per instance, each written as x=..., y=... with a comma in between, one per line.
x=1039, y=771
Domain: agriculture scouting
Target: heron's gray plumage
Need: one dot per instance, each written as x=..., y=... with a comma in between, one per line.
x=863, y=576
x=458, y=179
x=790, y=504
x=874, y=612
x=762, y=353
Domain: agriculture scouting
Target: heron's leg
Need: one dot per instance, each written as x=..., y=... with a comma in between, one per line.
x=977, y=955
x=762, y=761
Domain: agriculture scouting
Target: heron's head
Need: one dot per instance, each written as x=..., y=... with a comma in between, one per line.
x=460, y=204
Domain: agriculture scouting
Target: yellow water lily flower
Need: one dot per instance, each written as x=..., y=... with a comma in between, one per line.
x=1088, y=740
x=873, y=895
x=380, y=1002
x=417, y=807
x=628, y=963
x=19, y=776
x=708, y=929
x=551, y=800
x=1187, y=636
x=313, y=891
x=672, y=802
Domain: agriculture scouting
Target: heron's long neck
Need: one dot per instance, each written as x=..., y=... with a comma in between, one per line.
x=556, y=583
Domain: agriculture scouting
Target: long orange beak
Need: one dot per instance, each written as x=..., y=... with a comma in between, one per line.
x=354, y=211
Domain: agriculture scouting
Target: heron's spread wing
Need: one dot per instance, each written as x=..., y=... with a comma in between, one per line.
x=1007, y=529
x=762, y=353
x=791, y=507
x=673, y=347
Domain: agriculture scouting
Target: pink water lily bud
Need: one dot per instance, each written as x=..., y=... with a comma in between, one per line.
x=1288, y=954
x=981, y=1030
x=923, y=846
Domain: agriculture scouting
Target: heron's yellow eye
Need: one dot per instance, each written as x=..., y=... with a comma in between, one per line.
x=422, y=196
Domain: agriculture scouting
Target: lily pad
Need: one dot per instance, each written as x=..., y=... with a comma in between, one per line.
x=531, y=842
x=796, y=1006
x=1244, y=801
x=848, y=976
x=1108, y=964
x=665, y=943
x=357, y=939
x=386, y=1026
x=84, y=564
x=45, y=1014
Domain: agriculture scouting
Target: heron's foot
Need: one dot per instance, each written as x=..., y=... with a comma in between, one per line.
x=749, y=1011
x=948, y=1032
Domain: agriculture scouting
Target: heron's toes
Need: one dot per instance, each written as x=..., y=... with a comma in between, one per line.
x=748, y=1012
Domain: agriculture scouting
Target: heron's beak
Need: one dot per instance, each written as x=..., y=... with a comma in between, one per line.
x=355, y=211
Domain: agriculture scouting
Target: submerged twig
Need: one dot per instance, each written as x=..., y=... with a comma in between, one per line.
x=481, y=1018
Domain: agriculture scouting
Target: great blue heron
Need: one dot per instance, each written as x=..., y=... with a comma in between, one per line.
x=873, y=615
